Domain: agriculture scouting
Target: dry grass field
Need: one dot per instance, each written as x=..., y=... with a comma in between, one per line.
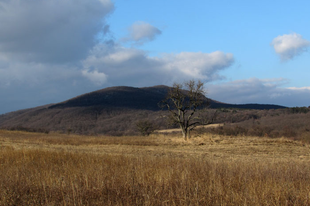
x=59, y=169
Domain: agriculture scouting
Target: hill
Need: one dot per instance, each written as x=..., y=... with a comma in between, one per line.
x=113, y=110
x=146, y=98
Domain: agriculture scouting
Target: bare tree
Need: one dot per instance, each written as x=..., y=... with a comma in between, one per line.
x=182, y=101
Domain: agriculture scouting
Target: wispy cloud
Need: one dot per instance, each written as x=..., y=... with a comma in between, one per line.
x=299, y=88
x=141, y=32
x=290, y=45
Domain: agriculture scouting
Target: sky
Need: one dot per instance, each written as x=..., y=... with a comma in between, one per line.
x=244, y=51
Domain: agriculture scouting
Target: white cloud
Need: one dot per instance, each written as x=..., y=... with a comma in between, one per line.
x=264, y=91
x=141, y=32
x=290, y=45
x=98, y=78
x=198, y=65
x=135, y=67
x=51, y=30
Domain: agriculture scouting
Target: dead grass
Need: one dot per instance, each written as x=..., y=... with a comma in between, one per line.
x=55, y=169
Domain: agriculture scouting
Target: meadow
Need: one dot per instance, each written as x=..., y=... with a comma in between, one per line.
x=209, y=169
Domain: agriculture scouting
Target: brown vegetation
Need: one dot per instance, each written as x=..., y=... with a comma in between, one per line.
x=292, y=123
x=58, y=169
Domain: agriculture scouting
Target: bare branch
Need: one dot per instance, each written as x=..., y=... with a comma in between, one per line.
x=182, y=102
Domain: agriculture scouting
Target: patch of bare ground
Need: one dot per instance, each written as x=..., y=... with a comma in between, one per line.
x=58, y=169
x=179, y=130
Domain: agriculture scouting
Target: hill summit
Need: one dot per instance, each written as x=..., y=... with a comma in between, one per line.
x=146, y=98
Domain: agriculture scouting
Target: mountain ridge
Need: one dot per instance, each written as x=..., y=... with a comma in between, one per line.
x=141, y=98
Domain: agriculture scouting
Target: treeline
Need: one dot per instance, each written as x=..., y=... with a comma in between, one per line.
x=291, y=122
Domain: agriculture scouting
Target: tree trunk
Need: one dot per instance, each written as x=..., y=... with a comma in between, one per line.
x=185, y=134
x=188, y=134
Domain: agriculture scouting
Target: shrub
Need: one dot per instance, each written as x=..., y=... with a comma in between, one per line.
x=145, y=127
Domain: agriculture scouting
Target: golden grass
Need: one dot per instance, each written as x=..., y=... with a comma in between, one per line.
x=55, y=169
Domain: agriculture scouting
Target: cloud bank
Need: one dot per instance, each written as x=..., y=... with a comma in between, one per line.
x=53, y=31
x=264, y=91
x=42, y=44
x=289, y=46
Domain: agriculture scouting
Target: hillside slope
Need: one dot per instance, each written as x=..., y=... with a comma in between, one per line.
x=113, y=111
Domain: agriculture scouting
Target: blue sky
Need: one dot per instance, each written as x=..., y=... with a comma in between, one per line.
x=244, y=51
